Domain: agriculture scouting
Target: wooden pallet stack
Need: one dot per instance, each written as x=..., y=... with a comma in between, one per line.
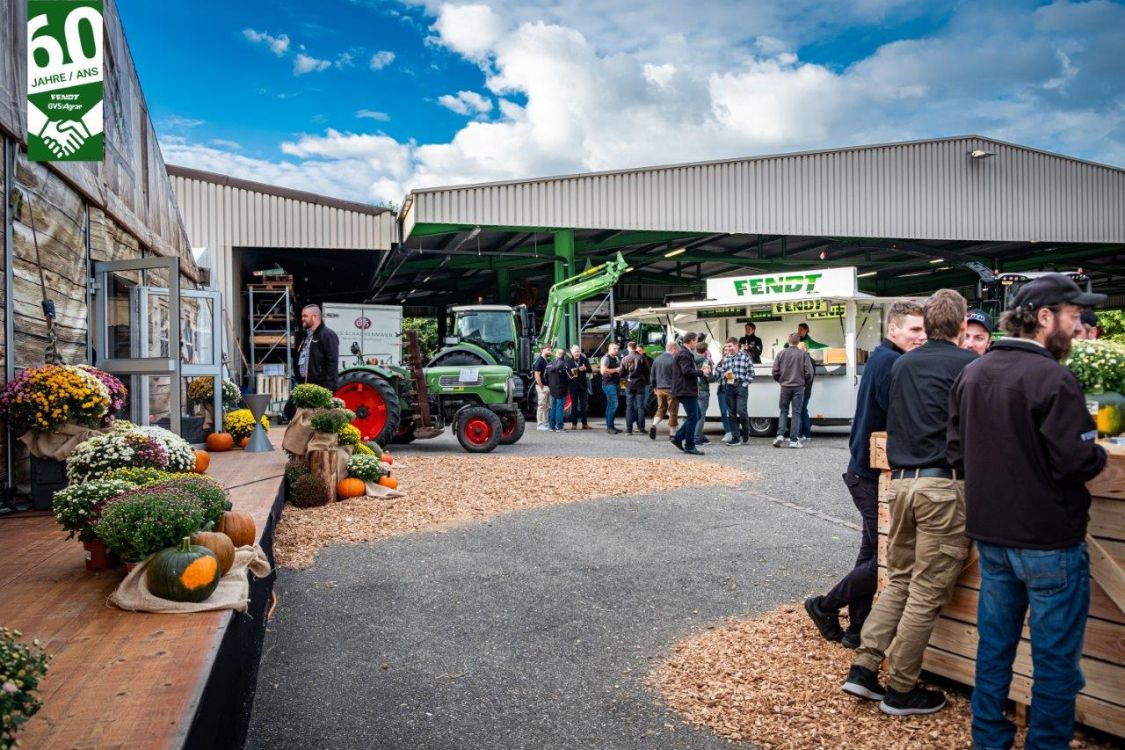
x=953, y=645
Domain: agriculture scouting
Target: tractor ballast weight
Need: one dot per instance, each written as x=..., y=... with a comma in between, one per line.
x=401, y=404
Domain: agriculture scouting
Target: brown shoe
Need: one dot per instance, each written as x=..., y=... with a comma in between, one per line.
x=585, y=427
x=574, y=427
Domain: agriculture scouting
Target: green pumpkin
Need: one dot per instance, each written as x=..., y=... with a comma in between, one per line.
x=188, y=573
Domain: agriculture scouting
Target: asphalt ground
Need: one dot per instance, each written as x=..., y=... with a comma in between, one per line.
x=537, y=629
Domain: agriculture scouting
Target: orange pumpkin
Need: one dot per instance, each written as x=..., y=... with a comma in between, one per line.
x=239, y=526
x=218, y=543
x=244, y=442
x=220, y=441
x=386, y=458
x=202, y=461
x=351, y=487
x=388, y=481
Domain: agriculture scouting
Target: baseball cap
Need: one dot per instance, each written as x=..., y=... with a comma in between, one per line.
x=981, y=317
x=1089, y=318
x=1054, y=289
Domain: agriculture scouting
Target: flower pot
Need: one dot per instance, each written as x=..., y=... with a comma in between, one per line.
x=98, y=557
x=48, y=476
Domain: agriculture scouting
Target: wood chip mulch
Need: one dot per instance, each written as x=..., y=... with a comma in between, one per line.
x=444, y=490
x=774, y=681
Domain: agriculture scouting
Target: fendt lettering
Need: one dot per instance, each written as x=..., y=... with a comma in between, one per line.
x=787, y=284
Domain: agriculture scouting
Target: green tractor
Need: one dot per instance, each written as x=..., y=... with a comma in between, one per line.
x=485, y=335
x=400, y=404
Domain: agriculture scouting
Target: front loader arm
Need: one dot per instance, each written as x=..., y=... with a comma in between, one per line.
x=592, y=281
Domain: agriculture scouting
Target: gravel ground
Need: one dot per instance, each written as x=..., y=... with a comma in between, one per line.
x=537, y=629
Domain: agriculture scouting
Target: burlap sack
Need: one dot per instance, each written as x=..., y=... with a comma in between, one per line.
x=343, y=453
x=298, y=432
x=233, y=591
x=58, y=445
x=322, y=441
x=376, y=490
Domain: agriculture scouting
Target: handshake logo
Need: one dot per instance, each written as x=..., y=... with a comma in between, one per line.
x=64, y=80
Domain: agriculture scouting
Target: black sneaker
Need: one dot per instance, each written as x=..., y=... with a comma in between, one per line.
x=652, y=433
x=827, y=623
x=677, y=443
x=850, y=640
x=863, y=683
x=917, y=701
x=693, y=451
x=613, y=430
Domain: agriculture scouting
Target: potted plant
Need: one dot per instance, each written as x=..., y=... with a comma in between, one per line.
x=56, y=407
x=201, y=392
x=1099, y=367
x=240, y=424
x=78, y=508
x=129, y=446
x=145, y=520
x=22, y=666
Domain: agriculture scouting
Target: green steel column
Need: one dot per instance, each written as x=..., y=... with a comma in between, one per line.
x=503, y=286
x=564, y=251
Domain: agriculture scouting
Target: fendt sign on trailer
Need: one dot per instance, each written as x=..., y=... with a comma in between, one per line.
x=768, y=287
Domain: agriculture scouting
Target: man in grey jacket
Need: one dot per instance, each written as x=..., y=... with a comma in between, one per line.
x=793, y=371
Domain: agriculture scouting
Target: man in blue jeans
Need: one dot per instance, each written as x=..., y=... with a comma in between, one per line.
x=685, y=388
x=611, y=384
x=1020, y=430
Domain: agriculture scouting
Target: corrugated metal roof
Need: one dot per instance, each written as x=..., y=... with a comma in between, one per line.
x=930, y=189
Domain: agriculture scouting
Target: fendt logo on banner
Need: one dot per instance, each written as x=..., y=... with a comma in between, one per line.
x=64, y=80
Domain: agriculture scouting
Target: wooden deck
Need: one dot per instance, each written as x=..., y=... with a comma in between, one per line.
x=118, y=679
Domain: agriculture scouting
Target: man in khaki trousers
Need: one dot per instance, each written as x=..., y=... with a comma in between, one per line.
x=927, y=547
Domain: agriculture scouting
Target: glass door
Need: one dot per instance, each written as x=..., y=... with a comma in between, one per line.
x=135, y=338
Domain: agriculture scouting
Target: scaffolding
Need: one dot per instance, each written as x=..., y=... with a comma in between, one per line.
x=271, y=341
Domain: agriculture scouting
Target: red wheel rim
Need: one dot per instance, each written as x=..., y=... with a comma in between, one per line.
x=478, y=431
x=508, y=426
x=369, y=406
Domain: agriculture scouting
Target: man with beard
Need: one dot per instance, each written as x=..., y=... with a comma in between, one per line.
x=1020, y=430
x=978, y=331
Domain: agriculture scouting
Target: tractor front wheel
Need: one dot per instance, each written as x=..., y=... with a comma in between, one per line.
x=375, y=403
x=478, y=429
x=512, y=425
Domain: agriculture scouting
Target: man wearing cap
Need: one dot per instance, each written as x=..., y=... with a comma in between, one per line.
x=1020, y=430
x=926, y=546
x=978, y=332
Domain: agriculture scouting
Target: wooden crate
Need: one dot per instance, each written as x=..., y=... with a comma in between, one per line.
x=953, y=645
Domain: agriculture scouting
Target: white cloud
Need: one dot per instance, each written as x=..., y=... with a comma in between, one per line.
x=178, y=122
x=382, y=59
x=278, y=44
x=635, y=85
x=224, y=143
x=303, y=64
x=373, y=115
x=344, y=60
x=466, y=103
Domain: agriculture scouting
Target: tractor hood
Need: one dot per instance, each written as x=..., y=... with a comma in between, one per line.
x=457, y=379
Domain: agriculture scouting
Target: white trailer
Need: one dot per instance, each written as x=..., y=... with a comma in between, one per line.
x=375, y=329
x=846, y=321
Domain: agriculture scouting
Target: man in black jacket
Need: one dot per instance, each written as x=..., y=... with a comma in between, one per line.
x=1020, y=430
x=926, y=547
x=685, y=388
x=635, y=370
x=318, y=354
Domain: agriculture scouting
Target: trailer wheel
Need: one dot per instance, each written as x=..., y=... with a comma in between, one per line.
x=478, y=429
x=763, y=427
x=512, y=425
x=375, y=403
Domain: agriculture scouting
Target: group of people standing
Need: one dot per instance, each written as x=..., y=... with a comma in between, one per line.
x=991, y=444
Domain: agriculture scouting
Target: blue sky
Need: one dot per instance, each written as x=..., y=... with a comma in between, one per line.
x=365, y=99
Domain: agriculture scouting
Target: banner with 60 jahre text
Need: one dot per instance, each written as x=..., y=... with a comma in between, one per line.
x=64, y=80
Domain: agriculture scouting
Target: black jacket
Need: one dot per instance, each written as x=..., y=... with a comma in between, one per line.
x=324, y=357
x=685, y=375
x=1020, y=430
x=871, y=407
x=919, y=405
x=558, y=377
x=636, y=369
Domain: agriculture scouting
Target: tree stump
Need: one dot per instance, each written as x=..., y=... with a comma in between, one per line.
x=323, y=465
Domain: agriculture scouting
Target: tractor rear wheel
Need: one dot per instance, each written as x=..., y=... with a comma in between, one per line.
x=375, y=403
x=512, y=425
x=478, y=429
